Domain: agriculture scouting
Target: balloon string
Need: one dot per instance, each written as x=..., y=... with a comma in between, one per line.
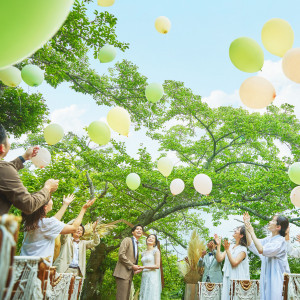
x=19, y=101
x=167, y=181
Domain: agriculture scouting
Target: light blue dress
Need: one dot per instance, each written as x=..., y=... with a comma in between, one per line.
x=273, y=264
x=151, y=280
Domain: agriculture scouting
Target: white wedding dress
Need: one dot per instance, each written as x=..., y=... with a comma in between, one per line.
x=151, y=280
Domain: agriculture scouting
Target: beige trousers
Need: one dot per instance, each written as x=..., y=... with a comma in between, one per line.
x=123, y=288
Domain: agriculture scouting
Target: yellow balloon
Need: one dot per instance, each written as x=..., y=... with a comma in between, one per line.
x=162, y=25
x=118, y=119
x=277, y=36
x=106, y=3
x=291, y=64
x=257, y=92
x=165, y=166
x=11, y=76
x=53, y=133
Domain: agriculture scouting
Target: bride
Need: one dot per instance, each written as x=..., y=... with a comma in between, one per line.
x=151, y=280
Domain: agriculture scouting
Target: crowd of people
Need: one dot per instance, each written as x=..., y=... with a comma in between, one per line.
x=40, y=233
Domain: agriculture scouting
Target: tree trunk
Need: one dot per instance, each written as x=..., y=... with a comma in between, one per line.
x=94, y=273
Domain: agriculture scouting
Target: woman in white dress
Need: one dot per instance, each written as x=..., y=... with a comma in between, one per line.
x=272, y=251
x=151, y=280
x=40, y=232
x=236, y=264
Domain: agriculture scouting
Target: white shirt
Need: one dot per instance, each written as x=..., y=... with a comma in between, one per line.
x=41, y=241
x=75, y=261
x=273, y=264
x=135, y=246
x=293, y=251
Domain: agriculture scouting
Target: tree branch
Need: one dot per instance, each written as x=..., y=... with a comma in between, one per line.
x=169, y=235
x=243, y=162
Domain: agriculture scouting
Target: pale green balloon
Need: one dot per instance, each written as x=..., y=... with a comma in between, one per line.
x=165, y=166
x=32, y=75
x=26, y=25
x=246, y=54
x=99, y=132
x=11, y=76
x=154, y=92
x=53, y=133
x=294, y=172
x=133, y=181
x=107, y=54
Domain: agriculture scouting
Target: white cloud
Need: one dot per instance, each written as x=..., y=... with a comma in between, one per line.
x=70, y=118
x=219, y=98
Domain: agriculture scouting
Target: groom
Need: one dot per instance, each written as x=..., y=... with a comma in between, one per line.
x=127, y=263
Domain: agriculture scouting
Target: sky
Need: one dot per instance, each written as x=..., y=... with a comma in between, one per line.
x=195, y=51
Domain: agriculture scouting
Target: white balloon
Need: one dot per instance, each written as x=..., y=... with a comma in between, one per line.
x=11, y=76
x=177, y=186
x=295, y=196
x=42, y=159
x=203, y=184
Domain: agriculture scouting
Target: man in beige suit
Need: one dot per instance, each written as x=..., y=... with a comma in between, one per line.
x=12, y=190
x=127, y=263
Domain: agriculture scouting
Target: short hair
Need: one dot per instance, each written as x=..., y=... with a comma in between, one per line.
x=3, y=135
x=83, y=229
x=212, y=240
x=135, y=226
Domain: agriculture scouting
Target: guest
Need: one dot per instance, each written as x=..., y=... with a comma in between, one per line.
x=272, y=251
x=72, y=256
x=212, y=268
x=292, y=251
x=40, y=232
x=236, y=264
x=12, y=190
x=127, y=263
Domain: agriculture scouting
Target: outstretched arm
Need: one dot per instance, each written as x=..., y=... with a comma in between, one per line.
x=66, y=202
x=256, y=241
x=246, y=218
x=220, y=256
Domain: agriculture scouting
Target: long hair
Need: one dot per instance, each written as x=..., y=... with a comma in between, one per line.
x=30, y=222
x=156, y=239
x=243, y=240
x=284, y=223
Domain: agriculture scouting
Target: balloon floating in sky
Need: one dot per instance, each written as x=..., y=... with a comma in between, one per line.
x=291, y=64
x=154, y=92
x=177, y=186
x=295, y=196
x=42, y=159
x=203, y=184
x=11, y=76
x=107, y=54
x=32, y=75
x=165, y=166
x=99, y=132
x=246, y=54
x=277, y=36
x=133, y=181
x=53, y=133
x=106, y=3
x=118, y=119
x=162, y=25
x=27, y=25
x=294, y=172
x=257, y=92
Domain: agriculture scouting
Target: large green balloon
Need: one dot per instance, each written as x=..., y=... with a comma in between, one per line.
x=99, y=132
x=32, y=75
x=107, y=54
x=294, y=172
x=154, y=92
x=26, y=25
x=246, y=54
x=133, y=181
